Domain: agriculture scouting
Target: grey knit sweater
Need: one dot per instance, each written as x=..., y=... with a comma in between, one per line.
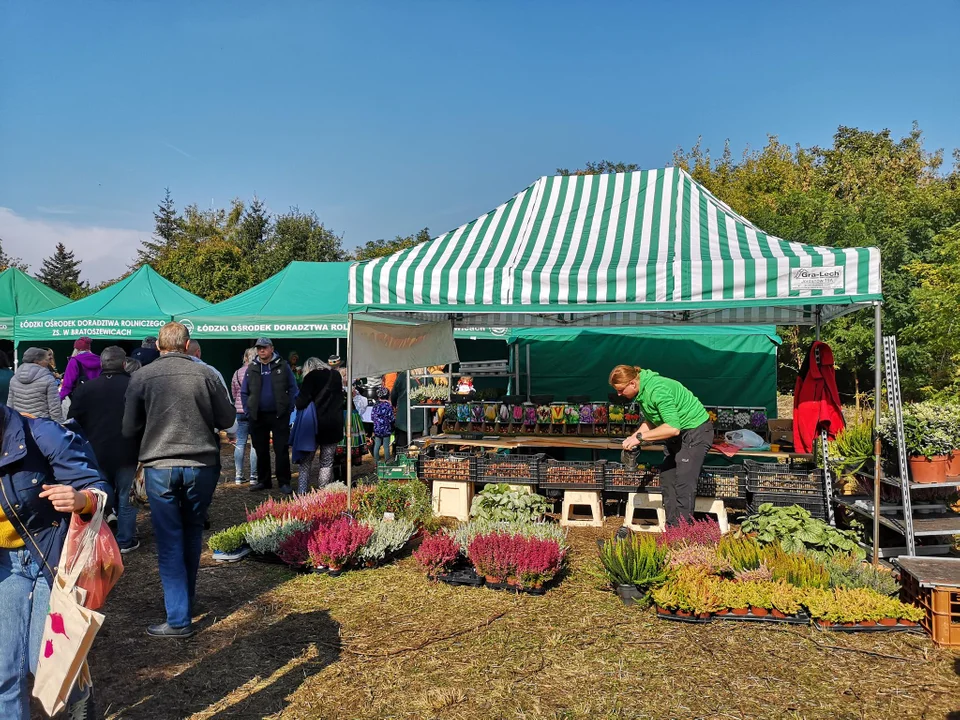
x=33, y=390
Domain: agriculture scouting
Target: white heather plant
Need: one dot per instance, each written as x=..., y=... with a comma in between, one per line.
x=264, y=536
x=389, y=536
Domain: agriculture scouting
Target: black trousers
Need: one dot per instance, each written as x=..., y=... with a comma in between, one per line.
x=681, y=470
x=267, y=424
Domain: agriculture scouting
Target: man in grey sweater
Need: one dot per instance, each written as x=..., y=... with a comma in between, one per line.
x=33, y=388
x=174, y=405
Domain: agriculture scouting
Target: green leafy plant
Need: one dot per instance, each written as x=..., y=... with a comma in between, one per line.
x=635, y=560
x=690, y=590
x=853, y=448
x=741, y=551
x=501, y=503
x=229, y=540
x=796, y=530
x=408, y=500
x=800, y=570
x=464, y=533
x=928, y=429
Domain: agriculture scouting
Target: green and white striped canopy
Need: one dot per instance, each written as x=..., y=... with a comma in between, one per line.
x=648, y=247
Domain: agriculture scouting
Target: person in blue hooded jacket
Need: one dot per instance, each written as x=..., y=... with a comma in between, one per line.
x=46, y=471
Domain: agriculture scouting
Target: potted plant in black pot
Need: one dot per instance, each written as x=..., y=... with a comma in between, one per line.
x=634, y=565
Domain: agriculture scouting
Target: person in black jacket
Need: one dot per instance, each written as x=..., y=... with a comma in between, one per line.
x=97, y=406
x=323, y=387
x=267, y=394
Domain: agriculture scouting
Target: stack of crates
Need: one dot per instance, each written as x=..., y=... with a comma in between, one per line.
x=940, y=599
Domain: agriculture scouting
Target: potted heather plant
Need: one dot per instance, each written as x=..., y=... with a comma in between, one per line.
x=438, y=553
x=229, y=545
x=337, y=545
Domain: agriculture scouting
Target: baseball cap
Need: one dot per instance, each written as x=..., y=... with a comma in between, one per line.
x=82, y=343
x=333, y=361
x=264, y=342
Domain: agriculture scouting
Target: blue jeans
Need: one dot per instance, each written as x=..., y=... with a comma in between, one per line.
x=179, y=498
x=243, y=432
x=381, y=442
x=24, y=604
x=122, y=481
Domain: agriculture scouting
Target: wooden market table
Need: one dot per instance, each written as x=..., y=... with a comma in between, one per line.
x=596, y=444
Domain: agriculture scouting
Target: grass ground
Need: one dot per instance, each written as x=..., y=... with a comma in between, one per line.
x=386, y=643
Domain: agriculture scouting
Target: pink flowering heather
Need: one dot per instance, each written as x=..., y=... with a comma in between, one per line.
x=294, y=551
x=701, y=556
x=314, y=507
x=335, y=545
x=493, y=556
x=538, y=561
x=437, y=553
x=698, y=532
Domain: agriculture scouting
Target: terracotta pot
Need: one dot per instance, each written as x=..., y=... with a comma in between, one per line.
x=929, y=470
x=888, y=621
x=824, y=623
x=724, y=611
x=663, y=611
x=909, y=623
x=684, y=613
x=848, y=624
x=868, y=623
x=493, y=580
x=953, y=464
x=704, y=616
x=740, y=611
x=759, y=611
x=777, y=614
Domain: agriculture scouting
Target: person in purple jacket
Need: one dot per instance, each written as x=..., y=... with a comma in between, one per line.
x=83, y=366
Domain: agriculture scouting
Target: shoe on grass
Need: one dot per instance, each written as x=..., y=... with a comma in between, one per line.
x=257, y=487
x=82, y=709
x=231, y=556
x=164, y=630
x=124, y=549
x=286, y=490
x=239, y=480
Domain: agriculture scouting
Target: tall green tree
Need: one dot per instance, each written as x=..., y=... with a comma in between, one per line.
x=255, y=226
x=298, y=235
x=866, y=189
x=600, y=168
x=61, y=271
x=168, y=230
x=379, y=248
x=7, y=261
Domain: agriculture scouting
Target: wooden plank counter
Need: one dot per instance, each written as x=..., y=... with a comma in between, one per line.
x=512, y=442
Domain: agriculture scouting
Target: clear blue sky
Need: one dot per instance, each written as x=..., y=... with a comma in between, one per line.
x=388, y=117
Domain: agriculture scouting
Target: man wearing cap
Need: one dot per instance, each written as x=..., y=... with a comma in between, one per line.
x=83, y=366
x=267, y=394
x=147, y=352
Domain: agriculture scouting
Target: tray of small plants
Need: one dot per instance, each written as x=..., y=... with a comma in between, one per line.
x=782, y=566
x=456, y=466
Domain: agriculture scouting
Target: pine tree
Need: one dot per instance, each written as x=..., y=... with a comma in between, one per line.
x=255, y=226
x=168, y=228
x=61, y=272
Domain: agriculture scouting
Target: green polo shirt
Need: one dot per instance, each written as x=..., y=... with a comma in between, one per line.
x=666, y=401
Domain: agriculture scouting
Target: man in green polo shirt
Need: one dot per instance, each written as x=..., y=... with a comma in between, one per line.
x=674, y=416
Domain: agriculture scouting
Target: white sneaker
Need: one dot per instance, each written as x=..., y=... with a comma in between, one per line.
x=239, y=481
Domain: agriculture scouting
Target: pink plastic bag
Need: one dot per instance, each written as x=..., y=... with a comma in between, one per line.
x=92, y=554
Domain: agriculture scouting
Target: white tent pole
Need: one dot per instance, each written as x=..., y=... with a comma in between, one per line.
x=16, y=363
x=878, y=343
x=338, y=339
x=349, y=447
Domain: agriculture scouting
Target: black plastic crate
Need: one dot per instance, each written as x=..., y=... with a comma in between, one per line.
x=815, y=505
x=437, y=465
x=572, y=474
x=779, y=478
x=511, y=469
x=728, y=482
x=617, y=478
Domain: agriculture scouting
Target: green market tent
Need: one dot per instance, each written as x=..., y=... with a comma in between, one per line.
x=131, y=308
x=626, y=249
x=304, y=300
x=20, y=294
x=721, y=365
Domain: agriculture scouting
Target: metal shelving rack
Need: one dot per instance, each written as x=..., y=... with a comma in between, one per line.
x=909, y=519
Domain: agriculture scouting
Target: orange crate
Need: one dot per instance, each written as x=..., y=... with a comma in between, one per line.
x=942, y=605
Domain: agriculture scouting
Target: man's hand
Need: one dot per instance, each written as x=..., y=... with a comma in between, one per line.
x=64, y=498
x=631, y=442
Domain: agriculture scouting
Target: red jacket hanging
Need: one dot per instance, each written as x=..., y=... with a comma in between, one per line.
x=816, y=401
